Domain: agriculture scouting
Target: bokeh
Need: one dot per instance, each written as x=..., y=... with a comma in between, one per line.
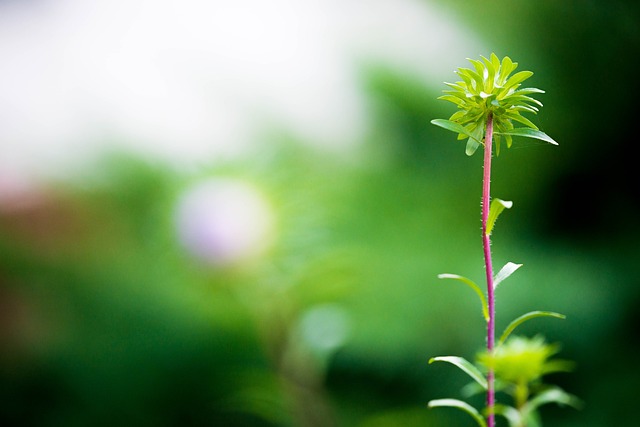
x=234, y=213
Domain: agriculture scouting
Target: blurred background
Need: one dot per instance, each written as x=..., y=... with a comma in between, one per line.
x=234, y=213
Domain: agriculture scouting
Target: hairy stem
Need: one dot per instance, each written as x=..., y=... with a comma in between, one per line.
x=486, y=244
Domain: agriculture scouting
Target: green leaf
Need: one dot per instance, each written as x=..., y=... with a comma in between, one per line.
x=526, y=108
x=517, y=78
x=457, y=86
x=462, y=363
x=552, y=395
x=497, y=140
x=496, y=208
x=452, y=98
x=459, y=404
x=530, y=133
x=453, y=126
x=472, y=285
x=477, y=78
x=558, y=365
x=528, y=316
x=506, y=68
x=517, y=98
x=510, y=413
x=506, y=271
x=472, y=146
x=528, y=91
x=495, y=61
x=478, y=65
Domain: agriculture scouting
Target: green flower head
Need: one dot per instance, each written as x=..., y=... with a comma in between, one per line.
x=490, y=89
x=523, y=360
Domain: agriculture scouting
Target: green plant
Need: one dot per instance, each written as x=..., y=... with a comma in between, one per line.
x=489, y=100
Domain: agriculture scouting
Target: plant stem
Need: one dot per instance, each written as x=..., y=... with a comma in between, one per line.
x=486, y=244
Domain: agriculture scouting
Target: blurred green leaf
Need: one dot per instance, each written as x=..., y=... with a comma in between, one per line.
x=528, y=316
x=552, y=395
x=511, y=414
x=455, y=403
x=472, y=285
x=465, y=365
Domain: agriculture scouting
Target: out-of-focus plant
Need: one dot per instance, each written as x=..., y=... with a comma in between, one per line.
x=237, y=229
x=489, y=100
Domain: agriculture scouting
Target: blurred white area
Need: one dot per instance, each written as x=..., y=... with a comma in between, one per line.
x=197, y=80
x=324, y=328
x=224, y=222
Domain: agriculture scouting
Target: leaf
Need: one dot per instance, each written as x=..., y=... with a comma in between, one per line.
x=530, y=133
x=506, y=68
x=455, y=403
x=510, y=413
x=454, y=127
x=477, y=78
x=459, y=404
x=478, y=65
x=515, y=115
x=528, y=316
x=558, y=365
x=552, y=395
x=476, y=135
x=496, y=208
x=452, y=98
x=472, y=146
x=506, y=271
x=518, y=98
x=472, y=285
x=517, y=78
x=528, y=91
x=462, y=363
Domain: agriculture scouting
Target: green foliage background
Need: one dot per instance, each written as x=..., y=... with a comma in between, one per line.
x=106, y=321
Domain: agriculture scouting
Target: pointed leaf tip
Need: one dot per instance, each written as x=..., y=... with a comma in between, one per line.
x=495, y=209
x=529, y=133
x=506, y=271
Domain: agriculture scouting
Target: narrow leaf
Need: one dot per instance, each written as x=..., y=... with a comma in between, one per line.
x=506, y=271
x=457, y=86
x=478, y=65
x=472, y=146
x=462, y=363
x=530, y=133
x=496, y=208
x=553, y=395
x=451, y=98
x=510, y=413
x=528, y=91
x=472, y=285
x=505, y=69
x=517, y=98
x=477, y=78
x=453, y=126
x=459, y=404
x=528, y=316
x=517, y=78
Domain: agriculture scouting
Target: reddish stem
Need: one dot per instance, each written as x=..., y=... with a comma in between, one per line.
x=486, y=244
